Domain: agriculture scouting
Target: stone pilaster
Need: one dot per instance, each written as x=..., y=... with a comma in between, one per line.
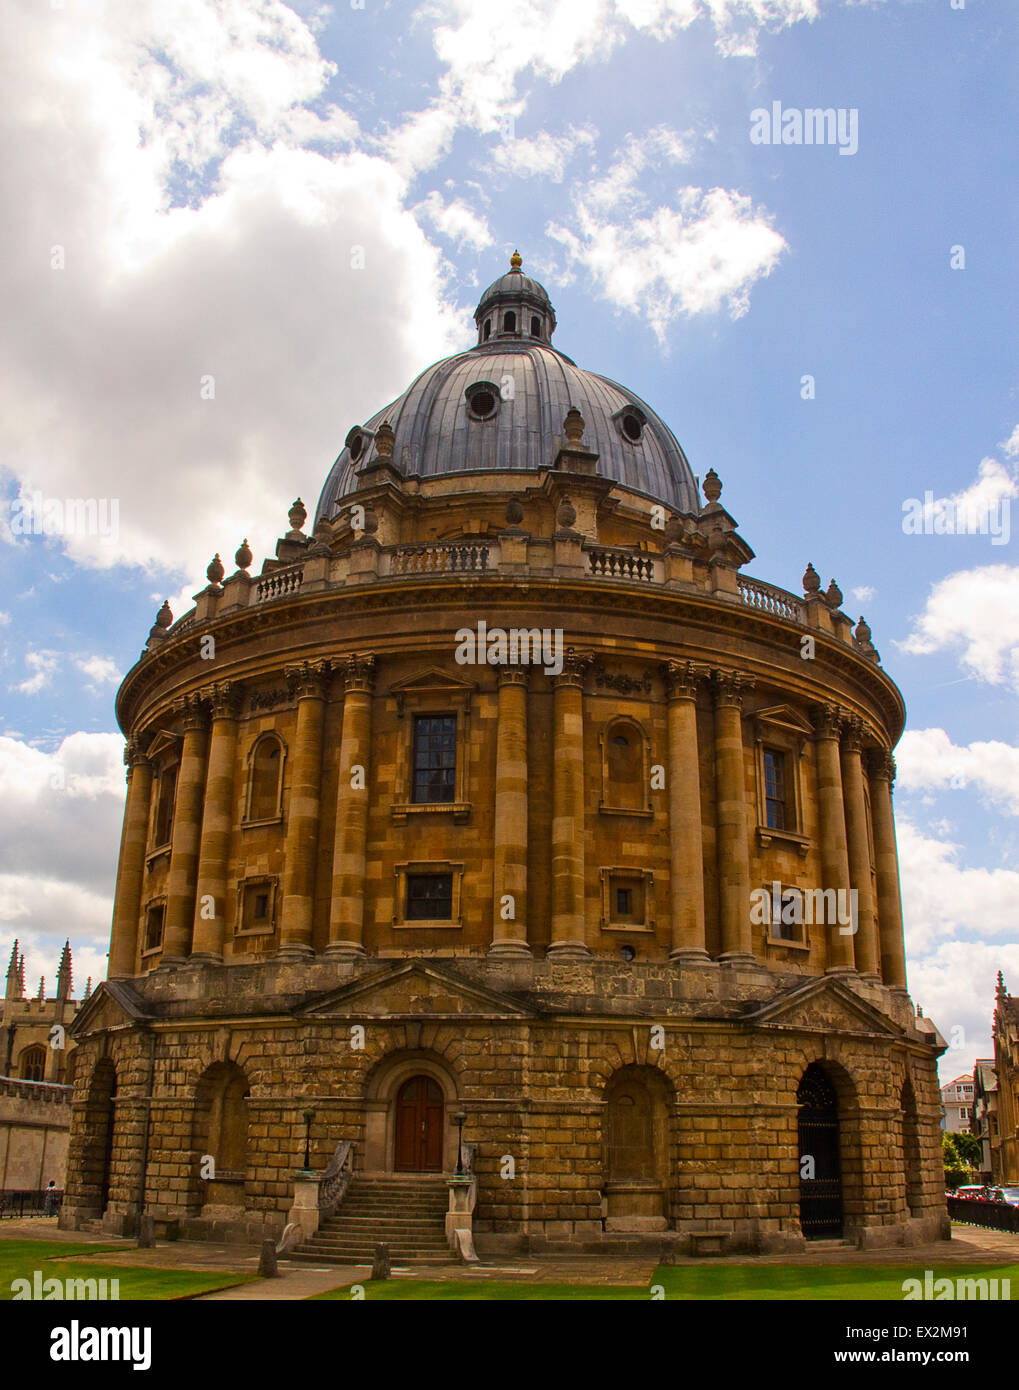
x=686, y=851
x=828, y=722
x=346, y=915
x=309, y=680
x=889, y=901
x=728, y=689
x=866, y=951
x=182, y=877
x=131, y=865
x=568, y=917
x=209, y=930
x=509, y=860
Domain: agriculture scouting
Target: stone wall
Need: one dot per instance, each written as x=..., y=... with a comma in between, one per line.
x=34, y=1121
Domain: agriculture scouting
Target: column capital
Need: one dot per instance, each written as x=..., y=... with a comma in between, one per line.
x=133, y=756
x=358, y=671
x=192, y=712
x=729, y=687
x=682, y=678
x=307, y=679
x=225, y=699
x=881, y=764
x=575, y=667
x=852, y=734
x=513, y=675
x=828, y=720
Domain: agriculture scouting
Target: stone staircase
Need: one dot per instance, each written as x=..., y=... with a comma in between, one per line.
x=408, y=1213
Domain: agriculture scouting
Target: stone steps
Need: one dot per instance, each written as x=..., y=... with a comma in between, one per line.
x=407, y=1214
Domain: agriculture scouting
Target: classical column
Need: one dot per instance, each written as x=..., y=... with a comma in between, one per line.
x=181, y=879
x=346, y=914
x=686, y=862
x=217, y=824
x=568, y=934
x=828, y=721
x=867, y=954
x=127, y=904
x=889, y=902
x=731, y=810
x=300, y=845
x=509, y=871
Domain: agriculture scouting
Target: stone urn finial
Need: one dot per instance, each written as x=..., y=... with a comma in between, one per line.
x=573, y=425
x=215, y=571
x=371, y=521
x=298, y=515
x=862, y=633
x=566, y=514
x=811, y=582
x=164, y=617
x=712, y=486
x=516, y=261
x=514, y=512
x=243, y=556
x=385, y=440
x=833, y=596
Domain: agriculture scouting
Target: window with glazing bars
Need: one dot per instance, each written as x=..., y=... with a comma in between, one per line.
x=434, y=757
x=775, y=789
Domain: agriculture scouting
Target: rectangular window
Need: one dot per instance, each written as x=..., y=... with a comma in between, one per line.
x=164, y=805
x=776, y=815
x=624, y=902
x=154, y=927
x=434, y=758
x=429, y=897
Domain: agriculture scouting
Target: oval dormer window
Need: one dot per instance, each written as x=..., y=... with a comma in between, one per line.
x=630, y=422
x=355, y=443
x=482, y=400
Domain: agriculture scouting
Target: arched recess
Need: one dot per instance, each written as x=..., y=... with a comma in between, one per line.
x=912, y=1169
x=625, y=771
x=635, y=1150
x=384, y=1092
x=265, y=779
x=220, y=1136
x=829, y=1152
x=32, y=1063
x=99, y=1129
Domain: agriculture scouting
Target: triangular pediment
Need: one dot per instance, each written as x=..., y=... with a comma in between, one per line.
x=434, y=678
x=162, y=742
x=415, y=989
x=783, y=717
x=823, y=1005
x=113, y=1005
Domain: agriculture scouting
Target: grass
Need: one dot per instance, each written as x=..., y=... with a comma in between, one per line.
x=775, y=1282
x=19, y=1259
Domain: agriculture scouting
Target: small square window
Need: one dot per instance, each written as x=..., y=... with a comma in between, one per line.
x=429, y=897
x=261, y=906
x=624, y=902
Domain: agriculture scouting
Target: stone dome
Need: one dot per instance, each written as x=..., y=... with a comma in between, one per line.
x=500, y=407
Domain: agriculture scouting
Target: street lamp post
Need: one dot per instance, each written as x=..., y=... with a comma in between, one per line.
x=460, y=1117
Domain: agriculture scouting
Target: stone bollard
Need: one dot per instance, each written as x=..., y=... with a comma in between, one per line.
x=146, y=1232
x=267, y=1266
x=381, y=1263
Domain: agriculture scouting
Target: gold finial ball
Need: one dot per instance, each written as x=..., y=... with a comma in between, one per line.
x=516, y=261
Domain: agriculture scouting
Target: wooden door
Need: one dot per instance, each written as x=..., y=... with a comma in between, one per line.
x=419, y=1115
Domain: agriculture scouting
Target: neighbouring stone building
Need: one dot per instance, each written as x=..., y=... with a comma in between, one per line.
x=984, y=1124
x=1004, y=1141
x=505, y=802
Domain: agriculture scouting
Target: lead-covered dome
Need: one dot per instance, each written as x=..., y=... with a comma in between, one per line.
x=500, y=407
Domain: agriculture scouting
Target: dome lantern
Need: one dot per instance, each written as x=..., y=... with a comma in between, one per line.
x=515, y=307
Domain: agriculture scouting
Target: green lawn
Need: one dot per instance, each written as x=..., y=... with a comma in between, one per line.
x=702, y=1281
x=19, y=1259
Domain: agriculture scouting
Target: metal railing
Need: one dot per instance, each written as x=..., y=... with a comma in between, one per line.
x=998, y=1216
x=41, y=1202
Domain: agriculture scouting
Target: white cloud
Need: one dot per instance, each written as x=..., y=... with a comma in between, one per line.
x=164, y=150
x=5, y=618
x=707, y=251
x=941, y=898
x=43, y=665
x=543, y=155
x=456, y=221
x=955, y=987
x=976, y=610
x=928, y=760
x=864, y=593
x=100, y=670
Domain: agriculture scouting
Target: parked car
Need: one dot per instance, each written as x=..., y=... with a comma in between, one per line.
x=1004, y=1194
x=972, y=1192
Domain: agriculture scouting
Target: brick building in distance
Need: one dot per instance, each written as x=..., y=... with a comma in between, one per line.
x=505, y=804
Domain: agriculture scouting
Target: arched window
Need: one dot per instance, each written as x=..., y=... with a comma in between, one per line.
x=535, y=326
x=265, y=789
x=488, y=329
x=624, y=767
x=221, y=1118
x=820, y=1159
x=33, y=1064
x=509, y=322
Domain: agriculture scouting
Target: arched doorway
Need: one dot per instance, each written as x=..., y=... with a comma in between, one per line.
x=635, y=1150
x=100, y=1127
x=911, y=1154
x=820, y=1164
x=419, y=1128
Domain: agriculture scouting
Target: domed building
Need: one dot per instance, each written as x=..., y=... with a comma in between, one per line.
x=504, y=869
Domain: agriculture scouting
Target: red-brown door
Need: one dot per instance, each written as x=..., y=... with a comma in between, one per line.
x=419, y=1112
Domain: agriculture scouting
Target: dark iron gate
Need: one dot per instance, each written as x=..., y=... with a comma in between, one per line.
x=820, y=1170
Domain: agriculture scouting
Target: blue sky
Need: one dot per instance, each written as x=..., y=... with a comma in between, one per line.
x=203, y=175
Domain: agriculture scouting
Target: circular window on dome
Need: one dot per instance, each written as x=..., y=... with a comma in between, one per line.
x=482, y=400
x=355, y=442
x=630, y=422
